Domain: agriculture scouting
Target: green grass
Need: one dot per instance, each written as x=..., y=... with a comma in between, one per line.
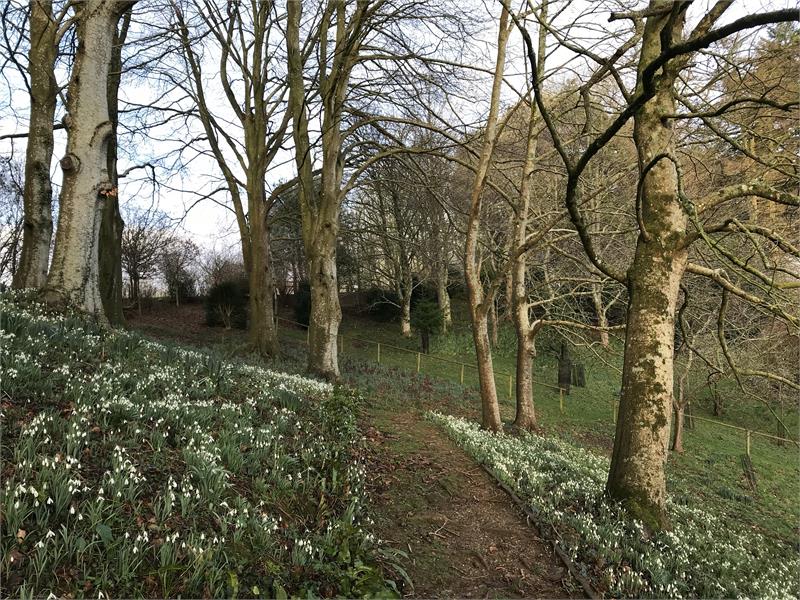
x=709, y=470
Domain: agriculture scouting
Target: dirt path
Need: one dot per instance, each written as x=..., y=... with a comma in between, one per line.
x=465, y=538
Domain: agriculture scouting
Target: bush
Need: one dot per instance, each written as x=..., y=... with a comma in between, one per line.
x=426, y=317
x=226, y=305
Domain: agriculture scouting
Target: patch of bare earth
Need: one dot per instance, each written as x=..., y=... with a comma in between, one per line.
x=464, y=536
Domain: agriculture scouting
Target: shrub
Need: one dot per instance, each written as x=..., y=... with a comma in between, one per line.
x=426, y=317
x=226, y=305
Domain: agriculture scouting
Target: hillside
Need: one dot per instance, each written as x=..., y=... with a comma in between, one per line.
x=132, y=468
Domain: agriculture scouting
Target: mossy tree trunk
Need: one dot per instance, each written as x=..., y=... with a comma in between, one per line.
x=37, y=193
x=637, y=476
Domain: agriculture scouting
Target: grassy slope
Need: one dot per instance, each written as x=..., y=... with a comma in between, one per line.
x=132, y=468
x=710, y=469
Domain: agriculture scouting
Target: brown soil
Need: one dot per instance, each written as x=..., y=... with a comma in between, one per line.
x=464, y=536
x=185, y=324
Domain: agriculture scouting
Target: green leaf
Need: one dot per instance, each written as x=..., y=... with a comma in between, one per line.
x=104, y=531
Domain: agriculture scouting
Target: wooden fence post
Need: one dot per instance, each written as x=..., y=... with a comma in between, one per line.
x=379, y=353
x=510, y=387
x=748, y=442
x=462, y=373
x=419, y=360
x=561, y=399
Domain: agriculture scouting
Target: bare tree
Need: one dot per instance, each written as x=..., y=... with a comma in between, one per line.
x=668, y=223
x=480, y=301
x=147, y=236
x=177, y=261
x=244, y=36
x=48, y=23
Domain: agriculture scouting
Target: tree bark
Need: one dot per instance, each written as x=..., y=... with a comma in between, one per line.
x=405, y=299
x=677, y=434
x=443, y=297
x=37, y=196
x=73, y=277
x=326, y=312
x=636, y=476
x=111, y=226
x=494, y=331
x=262, y=331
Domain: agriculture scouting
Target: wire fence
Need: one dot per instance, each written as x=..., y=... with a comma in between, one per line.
x=422, y=362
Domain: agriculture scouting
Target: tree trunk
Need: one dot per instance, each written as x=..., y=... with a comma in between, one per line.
x=111, y=227
x=73, y=277
x=443, y=297
x=680, y=405
x=326, y=313
x=405, y=295
x=526, y=413
x=262, y=332
x=637, y=466
x=493, y=328
x=677, y=434
x=564, y=368
x=600, y=312
x=483, y=351
x=636, y=476
x=38, y=193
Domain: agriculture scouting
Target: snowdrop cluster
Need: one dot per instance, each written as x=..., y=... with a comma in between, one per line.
x=129, y=457
x=563, y=485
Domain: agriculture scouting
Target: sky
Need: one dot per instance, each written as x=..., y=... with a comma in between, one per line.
x=212, y=225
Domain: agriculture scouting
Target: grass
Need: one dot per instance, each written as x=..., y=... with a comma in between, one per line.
x=138, y=469
x=709, y=471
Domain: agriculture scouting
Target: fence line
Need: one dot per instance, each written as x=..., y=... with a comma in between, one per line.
x=463, y=366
